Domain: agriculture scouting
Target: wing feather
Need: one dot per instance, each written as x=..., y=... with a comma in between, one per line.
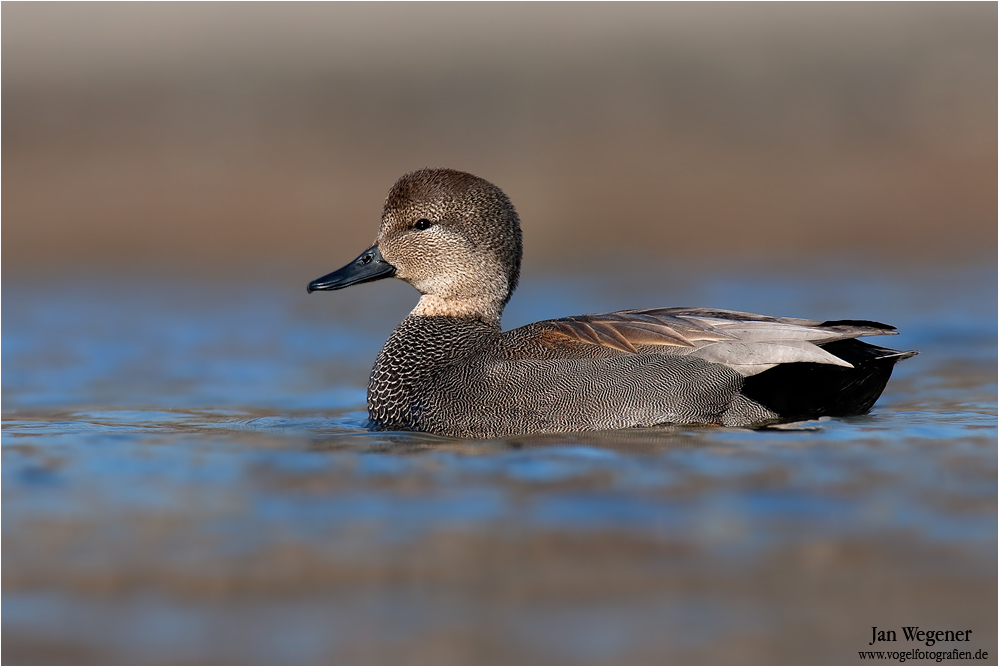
x=745, y=342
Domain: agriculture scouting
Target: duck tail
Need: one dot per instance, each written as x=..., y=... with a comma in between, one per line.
x=801, y=391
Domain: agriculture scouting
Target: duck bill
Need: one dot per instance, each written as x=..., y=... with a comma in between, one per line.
x=369, y=265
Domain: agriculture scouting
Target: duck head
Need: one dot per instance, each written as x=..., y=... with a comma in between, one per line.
x=453, y=236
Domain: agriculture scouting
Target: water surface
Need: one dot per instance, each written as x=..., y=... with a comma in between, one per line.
x=187, y=477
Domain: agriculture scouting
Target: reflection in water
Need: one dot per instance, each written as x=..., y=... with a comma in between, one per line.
x=187, y=477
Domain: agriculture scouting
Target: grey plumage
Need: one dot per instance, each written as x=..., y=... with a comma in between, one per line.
x=449, y=369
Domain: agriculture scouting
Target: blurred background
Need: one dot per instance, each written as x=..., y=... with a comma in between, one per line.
x=247, y=137
x=187, y=474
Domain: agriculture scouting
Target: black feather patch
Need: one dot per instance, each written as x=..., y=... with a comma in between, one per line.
x=808, y=391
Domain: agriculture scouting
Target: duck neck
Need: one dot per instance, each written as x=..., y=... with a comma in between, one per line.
x=412, y=357
x=485, y=309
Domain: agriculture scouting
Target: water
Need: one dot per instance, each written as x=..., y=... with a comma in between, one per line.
x=187, y=478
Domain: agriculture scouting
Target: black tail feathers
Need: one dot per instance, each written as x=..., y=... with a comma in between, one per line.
x=807, y=390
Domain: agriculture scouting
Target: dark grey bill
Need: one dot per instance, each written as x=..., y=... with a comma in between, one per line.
x=370, y=265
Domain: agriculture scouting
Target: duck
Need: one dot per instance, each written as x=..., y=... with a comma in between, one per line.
x=449, y=369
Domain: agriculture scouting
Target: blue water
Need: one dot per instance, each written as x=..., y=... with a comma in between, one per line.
x=187, y=477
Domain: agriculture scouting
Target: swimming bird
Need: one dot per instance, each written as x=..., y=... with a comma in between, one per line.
x=449, y=369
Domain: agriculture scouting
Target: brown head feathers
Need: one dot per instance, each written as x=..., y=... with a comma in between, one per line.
x=456, y=238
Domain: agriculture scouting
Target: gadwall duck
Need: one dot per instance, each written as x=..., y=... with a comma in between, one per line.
x=449, y=369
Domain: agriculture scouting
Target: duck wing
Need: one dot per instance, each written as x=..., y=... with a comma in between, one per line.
x=745, y=342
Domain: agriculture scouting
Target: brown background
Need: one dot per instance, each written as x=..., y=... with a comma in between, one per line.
x=242, y=137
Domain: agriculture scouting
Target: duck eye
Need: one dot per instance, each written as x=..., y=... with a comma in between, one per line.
x=422, y=224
